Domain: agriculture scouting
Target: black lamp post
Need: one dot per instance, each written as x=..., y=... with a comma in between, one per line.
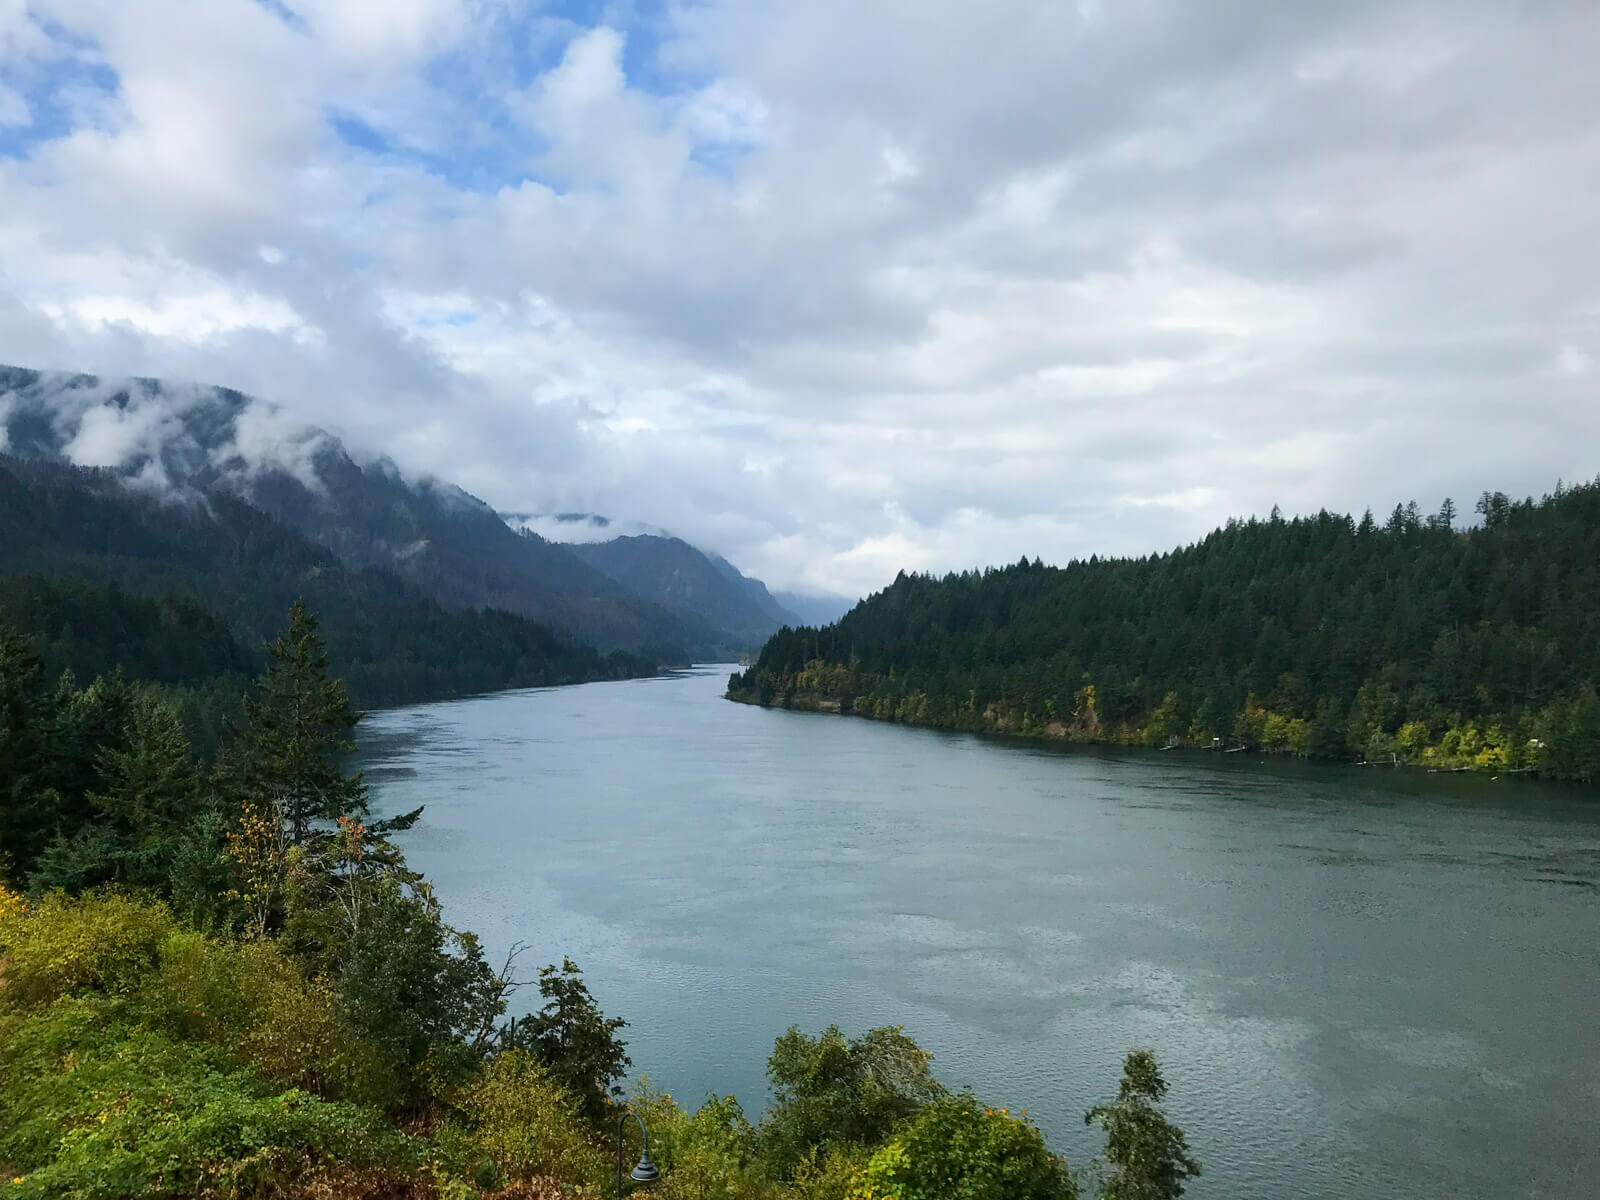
x=646, y=1171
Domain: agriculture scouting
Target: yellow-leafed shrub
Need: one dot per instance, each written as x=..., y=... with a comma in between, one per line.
x=66, y=944
x=526, y=1124
x=251, y=1002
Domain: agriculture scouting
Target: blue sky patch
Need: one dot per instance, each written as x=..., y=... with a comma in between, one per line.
x=353, y=131
x=284, y=13
x=58, y=97
x=483, y=165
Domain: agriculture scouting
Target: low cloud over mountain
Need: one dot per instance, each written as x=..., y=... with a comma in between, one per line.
x=184, y=443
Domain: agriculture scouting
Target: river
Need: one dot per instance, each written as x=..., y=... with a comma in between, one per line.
x=1358, y=982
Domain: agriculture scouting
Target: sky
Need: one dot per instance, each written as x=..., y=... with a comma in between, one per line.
x=838, y=289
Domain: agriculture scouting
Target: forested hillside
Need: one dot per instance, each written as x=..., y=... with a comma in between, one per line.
x=197, y=443
x=1411, y=640
x=185, y=593
x=699, y=590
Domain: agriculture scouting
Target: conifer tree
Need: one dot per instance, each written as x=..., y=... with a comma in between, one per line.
x=145, y=800
x=150, y=786
x=286, y=757
x=301, y=836
x=24, y=815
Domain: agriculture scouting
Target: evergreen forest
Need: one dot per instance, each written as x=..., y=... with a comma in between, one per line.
x=185, y=593
x=1408, y=641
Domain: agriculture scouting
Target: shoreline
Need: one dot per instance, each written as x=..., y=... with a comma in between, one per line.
x=1056, y=735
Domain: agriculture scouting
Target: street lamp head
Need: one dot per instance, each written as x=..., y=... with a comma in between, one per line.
x=646, y=1171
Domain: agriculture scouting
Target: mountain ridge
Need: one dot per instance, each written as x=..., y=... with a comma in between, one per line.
x=84, y=554
x=192, y=440
x=689, y=583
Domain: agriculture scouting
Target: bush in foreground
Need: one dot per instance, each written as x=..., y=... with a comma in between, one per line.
x=958, y=1149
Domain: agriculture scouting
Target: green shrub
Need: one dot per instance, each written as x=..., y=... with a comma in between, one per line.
x=832, y=1173
x=518, y=1117
x=91, y=1108
x=63, y=943
x=251, y=1003
x=38, y=1053
x=707, y=1155
x=833, y=1091
x=247, y=1001
x=957, y=1149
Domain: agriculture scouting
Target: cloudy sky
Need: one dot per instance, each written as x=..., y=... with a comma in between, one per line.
x=834, y=287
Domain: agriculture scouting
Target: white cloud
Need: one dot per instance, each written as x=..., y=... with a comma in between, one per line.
x=1574, y=360
x=20, y=34
x=580, y=527
x=112, y=436
x=195, y=316
x=588, y=76
x=266, y=438
x=725, y=112
x=840, y=288
x=387, y=32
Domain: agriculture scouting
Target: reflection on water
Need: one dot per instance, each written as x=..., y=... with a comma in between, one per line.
x=1359, y=982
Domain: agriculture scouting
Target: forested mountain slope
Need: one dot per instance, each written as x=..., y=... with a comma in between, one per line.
x=755, y=592
x=186, y=590
x=692, y=586
x=1320, y=635
x=182, y=439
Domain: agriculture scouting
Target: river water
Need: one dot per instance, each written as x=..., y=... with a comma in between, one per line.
x=1358, y=982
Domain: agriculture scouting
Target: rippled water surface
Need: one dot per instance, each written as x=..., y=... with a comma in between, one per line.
x=1369, y=983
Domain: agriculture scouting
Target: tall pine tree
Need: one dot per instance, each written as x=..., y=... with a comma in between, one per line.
x=147, y=798
x=287, y=755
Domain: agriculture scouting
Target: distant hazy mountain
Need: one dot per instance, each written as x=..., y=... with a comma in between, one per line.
x=753, y=590
x=183, y=439
x=657, y=566
x=685, y=581
x=815, y=610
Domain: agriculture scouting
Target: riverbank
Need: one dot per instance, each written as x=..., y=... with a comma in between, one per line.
x=1465, y=749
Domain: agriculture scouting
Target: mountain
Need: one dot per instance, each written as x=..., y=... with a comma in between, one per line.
x=754, y=590
x=195, y=441
x=654, y=565
x=185, y=588
x=1407, y=641
x=688, y=583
